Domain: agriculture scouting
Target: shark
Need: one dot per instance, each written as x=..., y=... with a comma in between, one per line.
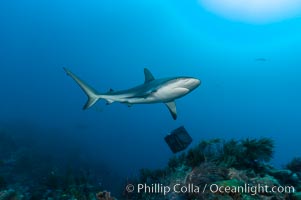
x=161, y=90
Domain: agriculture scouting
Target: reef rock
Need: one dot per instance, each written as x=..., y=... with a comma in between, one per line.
x=297, y=196
x=8, y=195
x=280, y=173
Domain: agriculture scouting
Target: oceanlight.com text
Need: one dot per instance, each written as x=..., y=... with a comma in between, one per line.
x=208, y=188
x=251, y=189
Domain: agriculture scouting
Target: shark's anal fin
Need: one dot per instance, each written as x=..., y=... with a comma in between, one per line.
x=148, y=76
x=172, y=109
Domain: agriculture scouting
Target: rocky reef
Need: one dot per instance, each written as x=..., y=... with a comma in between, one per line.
x=219, y=169
x=29, y=172
x=213, y=169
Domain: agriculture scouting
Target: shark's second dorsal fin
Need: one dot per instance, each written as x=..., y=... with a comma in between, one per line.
x=148, y=76
x=172, y=109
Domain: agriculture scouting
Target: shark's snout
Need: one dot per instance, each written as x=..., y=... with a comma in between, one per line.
x=196, y=82
x=191, y=83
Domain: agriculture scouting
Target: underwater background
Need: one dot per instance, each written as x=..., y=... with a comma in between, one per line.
x=250, y=75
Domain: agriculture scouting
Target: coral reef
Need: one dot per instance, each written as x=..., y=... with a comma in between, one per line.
x=295, y=165
x=104, y=196
x=28, y=174
x=2, y=182
x=238, y=165
x=242, y=154
x=8, y=195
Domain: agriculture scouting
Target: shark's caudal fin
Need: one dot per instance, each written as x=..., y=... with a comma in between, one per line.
x=89, y=91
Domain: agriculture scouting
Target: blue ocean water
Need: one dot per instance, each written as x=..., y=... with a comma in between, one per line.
x=108, y=43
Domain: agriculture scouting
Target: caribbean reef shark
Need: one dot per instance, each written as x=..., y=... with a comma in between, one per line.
x=164, y=90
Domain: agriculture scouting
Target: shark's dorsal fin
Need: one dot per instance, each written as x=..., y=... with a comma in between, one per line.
x=148, y=76
x=172, y=109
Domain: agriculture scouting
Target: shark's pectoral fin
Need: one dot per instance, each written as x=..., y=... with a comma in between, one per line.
x=148, y=76
x=172, y=109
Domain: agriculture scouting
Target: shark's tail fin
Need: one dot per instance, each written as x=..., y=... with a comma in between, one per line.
x=89, y=91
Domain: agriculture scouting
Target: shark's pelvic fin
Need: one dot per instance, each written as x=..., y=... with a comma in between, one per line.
x=109, y=101
x=89, y=91
x=172, y=109
x=148, y=76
